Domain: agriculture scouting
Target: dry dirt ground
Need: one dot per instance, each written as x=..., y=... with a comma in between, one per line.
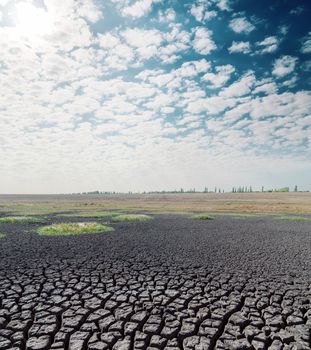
x=170, y=283
x=293, y=202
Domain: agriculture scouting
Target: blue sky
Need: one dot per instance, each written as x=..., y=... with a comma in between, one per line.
x=150, y=94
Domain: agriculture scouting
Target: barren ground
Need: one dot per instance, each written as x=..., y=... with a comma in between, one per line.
x=292, y=202
x=171, y=283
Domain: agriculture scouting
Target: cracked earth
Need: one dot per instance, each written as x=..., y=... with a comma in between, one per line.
x=171, y=283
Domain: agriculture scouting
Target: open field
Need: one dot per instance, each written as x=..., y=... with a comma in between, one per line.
x=269, y=203
x=168, y=283
x=79, y=277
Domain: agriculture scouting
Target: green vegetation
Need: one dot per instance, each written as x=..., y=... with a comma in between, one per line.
x=89, y=214
x=293, y=218
x=131, y=217
x=2, y=235
x=17, y=219
x=73, y=228
x=202, y=217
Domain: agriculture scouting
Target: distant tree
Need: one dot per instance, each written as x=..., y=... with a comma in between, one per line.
x=296, y=188
x=205, y=190
x=219, y=190
x=215, y=189
x=262, y=189
x=250, y=189
x=182, y=190
x=284, y=189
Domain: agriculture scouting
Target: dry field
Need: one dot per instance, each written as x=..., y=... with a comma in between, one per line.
x=265, y=203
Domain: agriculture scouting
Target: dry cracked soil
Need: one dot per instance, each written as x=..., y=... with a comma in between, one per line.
x=170, y=283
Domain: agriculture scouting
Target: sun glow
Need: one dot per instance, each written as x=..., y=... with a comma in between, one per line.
x=32, y=20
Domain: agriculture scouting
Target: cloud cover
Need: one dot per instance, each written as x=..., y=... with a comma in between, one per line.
x=127, y=95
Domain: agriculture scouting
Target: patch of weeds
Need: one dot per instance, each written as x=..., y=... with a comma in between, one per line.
x=131, y=217
x=293, y=218
x=73, y=228
x=2, y=235
x=237, y=215
x=202, y=217
x=17, y=219
x=97, y=215
x=244, y=216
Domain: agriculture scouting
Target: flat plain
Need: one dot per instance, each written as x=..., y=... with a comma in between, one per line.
x=256, y=202
x=239, y=281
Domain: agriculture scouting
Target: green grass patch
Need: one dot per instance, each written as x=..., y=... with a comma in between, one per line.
x=293, y=218
x=90, y=214
x=202, y=217
x=2, y=235
x=73, y=228
x=131, y=217
x=17, y=219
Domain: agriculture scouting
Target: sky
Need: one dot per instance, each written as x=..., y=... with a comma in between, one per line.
x=141, y=95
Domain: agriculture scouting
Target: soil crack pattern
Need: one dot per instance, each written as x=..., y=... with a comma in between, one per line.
x=173, y=283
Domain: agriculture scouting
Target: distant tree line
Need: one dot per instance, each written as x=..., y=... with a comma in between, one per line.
x=242, y=189
x=239, y=189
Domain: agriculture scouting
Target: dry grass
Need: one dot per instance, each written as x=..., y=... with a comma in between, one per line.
x=17, y=219
x=91, y=214
x=293, y=218
x=252, y=203
x=131, y=217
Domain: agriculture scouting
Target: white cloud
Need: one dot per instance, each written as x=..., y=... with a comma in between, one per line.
x=203, y=42
x=72, y=94
x=220, y=78
x=211, y=105
x=139, y=8
x=167, y=110
x=241, y=46
x=268, y=45
x=268, y=87
x=223, y=5
x=138, y=38
x=4, y=2
x=192, y=68
x=121, y=47
x=169, y=15
x=197, y=12
x=241, y=25
x=290, y=105
x=89, y=10
x=284, y=66
x=108, y=40
x=241, y=87
x=201, y=13
x=306, y=46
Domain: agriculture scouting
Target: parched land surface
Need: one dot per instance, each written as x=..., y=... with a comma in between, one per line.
x=266, y=202
x=170, y=283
